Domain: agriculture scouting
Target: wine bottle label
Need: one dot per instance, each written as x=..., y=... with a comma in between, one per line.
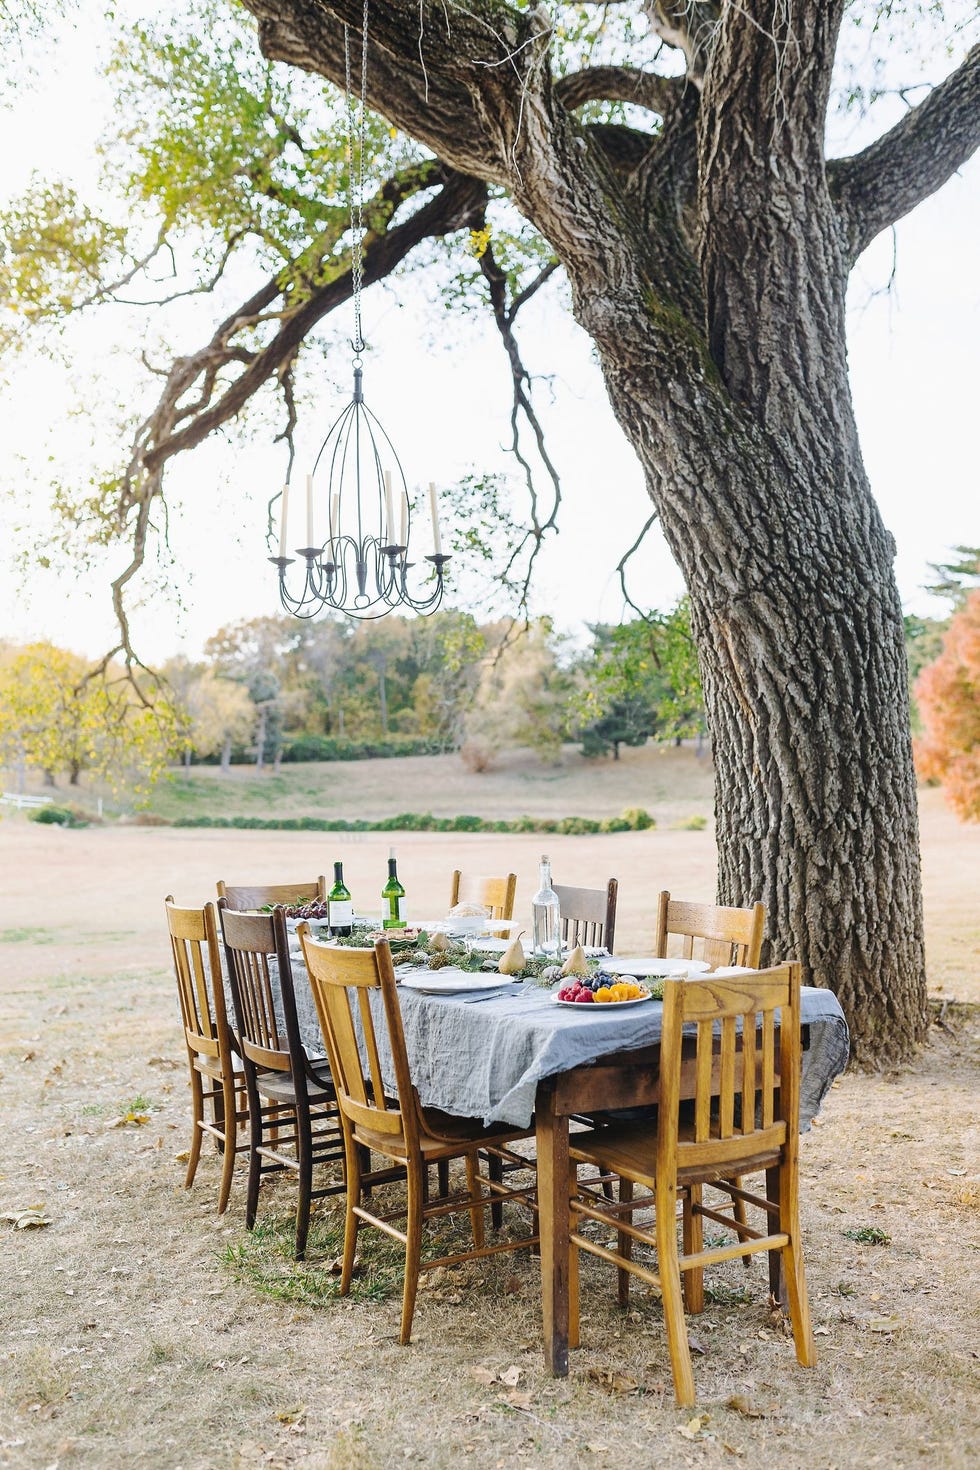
x=401, y=911
x=341, y=913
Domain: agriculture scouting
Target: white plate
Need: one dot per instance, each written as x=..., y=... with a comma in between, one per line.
x=456, y=982
x=604, y=1005
x=629, y=965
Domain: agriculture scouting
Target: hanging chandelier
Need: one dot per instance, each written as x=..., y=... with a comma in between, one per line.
x=357, y=557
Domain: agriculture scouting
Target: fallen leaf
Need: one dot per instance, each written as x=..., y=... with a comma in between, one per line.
x=613, y=1382
x=511, y=1376
x=482, y=1375
x=516, y=1400
x=884, y=1324
x=292, y=1415
x=743, y=1405
x=183, y=1156
x=513, y=1285
x=30, y=1219
x=693, y=1427
x=821, y=1331
x=126, y=1119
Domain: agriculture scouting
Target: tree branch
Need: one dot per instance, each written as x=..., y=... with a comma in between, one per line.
x=619, y=84
x=875, y=188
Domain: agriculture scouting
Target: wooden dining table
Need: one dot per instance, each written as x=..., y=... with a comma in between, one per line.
x=514, y=1056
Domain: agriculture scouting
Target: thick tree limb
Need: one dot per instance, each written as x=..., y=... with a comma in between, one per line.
x=875, y=188
x=619, y=84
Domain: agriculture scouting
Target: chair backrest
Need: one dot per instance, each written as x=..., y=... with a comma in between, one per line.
x=256, y=945
x=342, y=980
x=722, y=936
x=746, y=1069
x=267, y=895
x=197, y=963
x=496, y=894
x=588, y=915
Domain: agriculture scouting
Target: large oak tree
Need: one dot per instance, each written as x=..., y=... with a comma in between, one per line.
x=708, y=255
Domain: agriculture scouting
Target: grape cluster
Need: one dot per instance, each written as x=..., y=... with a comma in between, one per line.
x=581, y=988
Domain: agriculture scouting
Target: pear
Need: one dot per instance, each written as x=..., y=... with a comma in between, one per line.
x=512, y=960
x=438, y=943
x=576, y=964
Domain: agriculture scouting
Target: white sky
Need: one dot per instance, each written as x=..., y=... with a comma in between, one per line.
x=914, y=365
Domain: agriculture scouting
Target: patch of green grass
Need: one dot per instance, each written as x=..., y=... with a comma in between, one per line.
x=868, y=1235
x=92, y=1110
x=691, y=824
x=263, y=1259
x=139, y=1104
x=723, y=1295
x=21, y=936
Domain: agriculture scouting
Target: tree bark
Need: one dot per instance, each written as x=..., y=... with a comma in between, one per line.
x=226, y=756
x=708, y=262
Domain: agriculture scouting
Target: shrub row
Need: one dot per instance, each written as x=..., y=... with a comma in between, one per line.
x=635, y=820
x=327, y=748
x=60, y=816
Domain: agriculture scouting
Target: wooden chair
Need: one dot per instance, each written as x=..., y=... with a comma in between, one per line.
x=285, y=1089
x=722, y=936
x=345, y=982
x=267, y=895
x=588, y=915
x=496, y=894
x=210, y=1054
x=744, y=1070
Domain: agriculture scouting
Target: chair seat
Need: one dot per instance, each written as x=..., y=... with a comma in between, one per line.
x=281, y=1087
x=631, y=1150
x=445, y=1136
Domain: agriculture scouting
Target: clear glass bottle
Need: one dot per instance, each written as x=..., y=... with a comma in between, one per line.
x=340, y=909
x=393, y=897
x=546, y=915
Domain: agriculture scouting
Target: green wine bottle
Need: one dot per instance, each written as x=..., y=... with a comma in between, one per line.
x=393, y=897
x=340, y=909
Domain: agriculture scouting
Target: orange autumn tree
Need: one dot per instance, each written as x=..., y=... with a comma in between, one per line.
x=948, y=696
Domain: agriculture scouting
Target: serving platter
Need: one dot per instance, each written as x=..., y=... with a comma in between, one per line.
x=642, y=965
x=603, y=1005
x=455, y=982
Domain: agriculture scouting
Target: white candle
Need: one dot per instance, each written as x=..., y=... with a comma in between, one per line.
x=335, y=515
x=282, y=519
x=309, y=510
x=389, y=532
x=434, y=507
x=403, y=536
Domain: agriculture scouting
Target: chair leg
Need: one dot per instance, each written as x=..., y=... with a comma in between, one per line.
x=573, y=1266
x=254, y=1161
x=352, y=1154
x=304, y=1151
x=413, y=1254
x=442, y=1170
x=740, y=1218
x=777, y=1279
x=229, y=1103
x=475, y=1189
x=495, y=1168
x=624, y=1246
x=197, y=1118
x=693, y=1244
x=799, y=1305
x=670, y=1287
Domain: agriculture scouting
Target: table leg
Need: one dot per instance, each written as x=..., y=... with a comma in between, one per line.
x=553, y=1224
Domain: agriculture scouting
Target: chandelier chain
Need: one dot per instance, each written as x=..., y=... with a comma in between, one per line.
x=356, y=128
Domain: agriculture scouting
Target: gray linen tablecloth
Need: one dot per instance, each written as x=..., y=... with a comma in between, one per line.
x=485, y=1060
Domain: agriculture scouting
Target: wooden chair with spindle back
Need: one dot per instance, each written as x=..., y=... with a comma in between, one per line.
x=722, y=936
x=286, y=1090
x=496, y=894
x=744, y=1070
x=588, y=915
x=389, y=1120
x=241, y=897
x=210, y=1053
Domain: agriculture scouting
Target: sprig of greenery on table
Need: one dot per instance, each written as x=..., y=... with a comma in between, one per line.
x=460, y=956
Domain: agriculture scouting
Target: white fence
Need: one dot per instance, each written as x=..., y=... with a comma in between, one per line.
x=19, y=800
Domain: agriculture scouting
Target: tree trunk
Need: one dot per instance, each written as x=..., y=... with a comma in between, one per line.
x=74, y=771
x=260, y=737
x=226, y=756
x=187, y=760
x=49, y=778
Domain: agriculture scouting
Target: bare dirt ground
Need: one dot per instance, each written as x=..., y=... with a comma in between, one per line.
x=139, y=1329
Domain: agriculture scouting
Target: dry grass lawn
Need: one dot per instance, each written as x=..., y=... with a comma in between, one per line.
x=140, y=1330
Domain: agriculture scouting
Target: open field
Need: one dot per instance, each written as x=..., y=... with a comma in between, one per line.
x=672, y=783
x=128, y=1340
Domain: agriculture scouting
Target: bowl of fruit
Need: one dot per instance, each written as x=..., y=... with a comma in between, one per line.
x=598, y=990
